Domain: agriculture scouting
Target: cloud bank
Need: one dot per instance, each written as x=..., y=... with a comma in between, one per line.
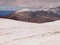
x=32, y=3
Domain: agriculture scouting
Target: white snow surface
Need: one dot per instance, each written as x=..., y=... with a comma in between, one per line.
x=23, y=10
x=23, y=33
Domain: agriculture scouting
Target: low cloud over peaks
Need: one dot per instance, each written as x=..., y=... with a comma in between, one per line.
x=32, y=3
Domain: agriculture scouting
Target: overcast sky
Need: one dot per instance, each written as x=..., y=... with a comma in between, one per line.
x=31, y=3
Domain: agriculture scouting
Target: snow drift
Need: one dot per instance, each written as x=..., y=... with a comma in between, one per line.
x=22, y=33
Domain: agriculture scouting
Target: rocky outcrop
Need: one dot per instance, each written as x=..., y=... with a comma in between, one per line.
x=34, y=16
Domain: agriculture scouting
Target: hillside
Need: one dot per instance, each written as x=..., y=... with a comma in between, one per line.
x=34, y=16
x=55, y=10
x=22, y=33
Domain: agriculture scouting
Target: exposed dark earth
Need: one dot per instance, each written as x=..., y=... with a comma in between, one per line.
x=34, y=16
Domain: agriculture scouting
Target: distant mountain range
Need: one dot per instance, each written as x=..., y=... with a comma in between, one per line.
x=36, y=16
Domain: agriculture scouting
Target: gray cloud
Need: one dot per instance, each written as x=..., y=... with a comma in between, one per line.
x=33, y=3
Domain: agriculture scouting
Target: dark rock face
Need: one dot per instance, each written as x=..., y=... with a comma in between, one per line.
x=55, y=10
x=35, y=17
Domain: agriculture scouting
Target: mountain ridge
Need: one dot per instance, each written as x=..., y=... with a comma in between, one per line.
x=34, y=16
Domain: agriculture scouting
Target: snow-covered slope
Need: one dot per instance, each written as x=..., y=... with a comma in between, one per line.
x=22, y=10
x=23, y=33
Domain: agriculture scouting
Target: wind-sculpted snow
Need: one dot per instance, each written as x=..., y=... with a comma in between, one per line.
x=22, y=33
